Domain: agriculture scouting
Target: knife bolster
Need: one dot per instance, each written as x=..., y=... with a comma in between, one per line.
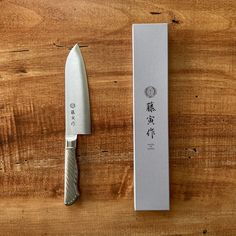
x=70, y=143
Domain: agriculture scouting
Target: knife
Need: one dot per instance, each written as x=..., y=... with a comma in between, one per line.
x=77, y=118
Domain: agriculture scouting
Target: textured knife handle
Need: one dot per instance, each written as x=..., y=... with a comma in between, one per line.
x=71, y=192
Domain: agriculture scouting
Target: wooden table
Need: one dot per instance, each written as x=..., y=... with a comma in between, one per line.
x=35, y=39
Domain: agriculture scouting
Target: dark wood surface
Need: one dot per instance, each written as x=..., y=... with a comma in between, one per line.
x=35, y=38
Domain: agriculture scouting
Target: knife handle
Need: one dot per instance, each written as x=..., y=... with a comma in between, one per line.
x=71, y=192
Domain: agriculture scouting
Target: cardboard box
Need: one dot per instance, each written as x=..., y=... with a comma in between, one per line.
x=150, y=116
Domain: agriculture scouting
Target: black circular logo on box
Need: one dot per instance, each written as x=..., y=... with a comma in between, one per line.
x=150, y=91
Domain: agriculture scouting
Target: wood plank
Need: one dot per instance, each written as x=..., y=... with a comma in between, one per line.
x=114, y=217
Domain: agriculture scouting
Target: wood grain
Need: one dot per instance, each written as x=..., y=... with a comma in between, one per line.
x=35, y=39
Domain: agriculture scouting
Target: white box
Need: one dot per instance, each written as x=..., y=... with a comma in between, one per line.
x=150, y=116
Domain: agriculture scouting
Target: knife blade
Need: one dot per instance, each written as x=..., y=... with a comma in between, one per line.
x=77, y=118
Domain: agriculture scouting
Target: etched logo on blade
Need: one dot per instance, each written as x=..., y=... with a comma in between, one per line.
x=72, y=112
x=72, y=105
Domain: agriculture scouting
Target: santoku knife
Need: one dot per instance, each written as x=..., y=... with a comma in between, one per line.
x=77, y=116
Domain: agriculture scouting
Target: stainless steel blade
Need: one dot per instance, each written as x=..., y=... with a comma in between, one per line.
x=76, y=95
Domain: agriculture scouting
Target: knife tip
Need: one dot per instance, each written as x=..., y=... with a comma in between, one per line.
x=76, y=47
x=74, y=52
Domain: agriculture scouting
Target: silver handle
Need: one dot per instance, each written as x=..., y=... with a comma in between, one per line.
x=71, y=192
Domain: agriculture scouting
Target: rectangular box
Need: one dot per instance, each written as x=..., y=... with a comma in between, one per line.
x=150, y=116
